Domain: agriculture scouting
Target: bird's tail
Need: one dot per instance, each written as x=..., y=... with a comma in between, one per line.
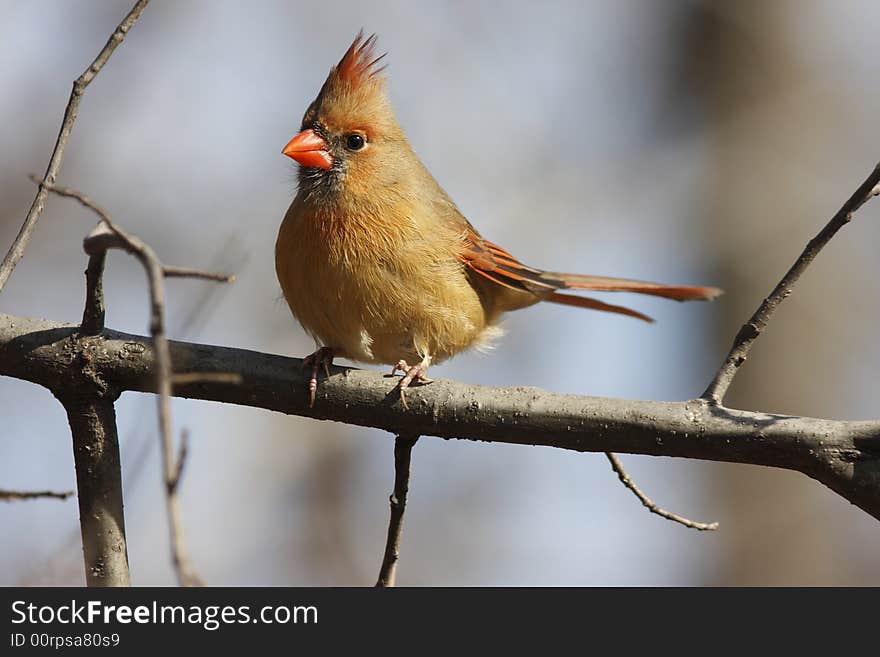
x=607, y=284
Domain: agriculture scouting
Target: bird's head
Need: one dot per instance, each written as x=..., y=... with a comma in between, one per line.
x=347, y=134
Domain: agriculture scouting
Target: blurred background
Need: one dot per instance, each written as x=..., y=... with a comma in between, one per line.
x=683, y=141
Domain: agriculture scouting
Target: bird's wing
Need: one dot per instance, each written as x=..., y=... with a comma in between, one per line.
x=497, y=265
x=494, y=263
x=483, y=257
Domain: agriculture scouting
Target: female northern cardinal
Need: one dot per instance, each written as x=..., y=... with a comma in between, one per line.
x=375, y=260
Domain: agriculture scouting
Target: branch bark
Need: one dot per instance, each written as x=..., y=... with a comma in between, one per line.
x=94, y=310
x=843, y=455
x=99, y=484
x=402, y=455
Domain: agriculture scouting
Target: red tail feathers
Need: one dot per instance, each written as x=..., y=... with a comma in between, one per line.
x=606, y=284
x=593, y=304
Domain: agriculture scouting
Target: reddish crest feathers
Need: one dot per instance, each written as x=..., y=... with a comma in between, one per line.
x=357, y=64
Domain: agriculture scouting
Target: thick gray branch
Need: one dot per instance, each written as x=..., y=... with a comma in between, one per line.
x=99, y=484
x=844, y=455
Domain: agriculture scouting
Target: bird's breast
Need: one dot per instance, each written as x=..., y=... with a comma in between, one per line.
x=377, y=288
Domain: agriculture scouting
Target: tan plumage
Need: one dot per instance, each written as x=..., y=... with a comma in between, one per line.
x=376, y=261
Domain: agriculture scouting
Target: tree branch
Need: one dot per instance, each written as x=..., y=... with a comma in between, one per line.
x=627, y=481
x=843, y=455
x=171, y=271
x=108, y=235
x=20, y=495
x=402, y=454
x=99, y=482
x=94, y=311
x=16, y=251
x=753, y=328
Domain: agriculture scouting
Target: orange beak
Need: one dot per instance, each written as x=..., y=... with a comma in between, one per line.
x=309, y=149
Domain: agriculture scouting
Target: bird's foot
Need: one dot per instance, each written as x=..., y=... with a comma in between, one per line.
x=322, y=357
x=411, y=373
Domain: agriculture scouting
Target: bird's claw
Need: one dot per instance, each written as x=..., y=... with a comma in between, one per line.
x=411, y=373
x=323, y=356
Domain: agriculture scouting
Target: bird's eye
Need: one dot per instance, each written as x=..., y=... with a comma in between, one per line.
x=354, y=142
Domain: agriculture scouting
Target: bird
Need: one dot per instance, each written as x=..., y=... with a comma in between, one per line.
x=375, y=260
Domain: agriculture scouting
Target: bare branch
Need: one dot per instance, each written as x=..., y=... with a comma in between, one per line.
x=108, y=234
x=758, y=322
x=93, y=312
x=625, y=479
x=843, y=455
x=402, y=454
x=99, y=483
x=182, y=452
x=20, y=495
x=16, y=251
x=186, y=272
x=114, y=237
x=101, y=238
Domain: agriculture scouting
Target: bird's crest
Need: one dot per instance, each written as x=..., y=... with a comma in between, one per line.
x=357, y=67
x=353, y=96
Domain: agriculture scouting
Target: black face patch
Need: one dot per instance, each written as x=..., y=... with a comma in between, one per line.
x=322, y=184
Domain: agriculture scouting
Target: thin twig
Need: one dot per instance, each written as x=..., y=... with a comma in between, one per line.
x=16, y=251
x=128, y=242
x=651, y=506
x=758, y=322
x=100, y=240
x=19, y=495
x=186, y=272
x=403, y=445
x=182, y=453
